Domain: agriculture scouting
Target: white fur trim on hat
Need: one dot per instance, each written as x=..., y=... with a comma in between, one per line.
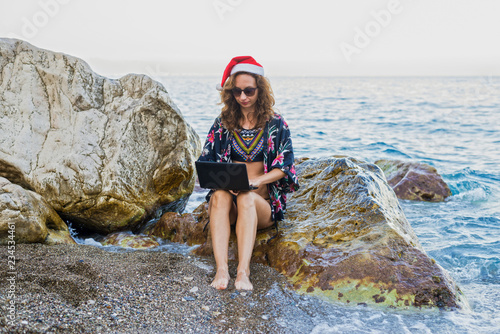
x=250, y=68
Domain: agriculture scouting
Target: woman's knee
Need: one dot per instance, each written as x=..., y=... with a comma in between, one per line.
x=246, y=200
x=221, y=199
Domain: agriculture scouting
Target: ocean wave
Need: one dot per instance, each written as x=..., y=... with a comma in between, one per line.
x=469, y=263
x=472, y=185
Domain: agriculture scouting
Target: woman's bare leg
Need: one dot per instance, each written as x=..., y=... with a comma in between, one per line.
x=222, y=212
x=253, y=212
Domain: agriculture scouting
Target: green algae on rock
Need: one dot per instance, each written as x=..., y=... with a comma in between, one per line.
x=414, y=181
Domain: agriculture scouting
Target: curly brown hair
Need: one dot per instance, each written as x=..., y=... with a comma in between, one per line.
x=231, y=114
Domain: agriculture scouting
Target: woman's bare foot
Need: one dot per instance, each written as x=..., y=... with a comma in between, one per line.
x=243, y=282
x=221, y=279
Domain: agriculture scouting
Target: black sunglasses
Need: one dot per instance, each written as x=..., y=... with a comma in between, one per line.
x=249, y=91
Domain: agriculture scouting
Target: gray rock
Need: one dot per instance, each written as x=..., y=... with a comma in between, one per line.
x=103, y=153
x=25, y=217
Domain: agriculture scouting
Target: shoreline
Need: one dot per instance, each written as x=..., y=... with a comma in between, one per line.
x=84, y=289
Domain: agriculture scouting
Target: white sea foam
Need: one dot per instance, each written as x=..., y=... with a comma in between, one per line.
x=92, y=242
x=473, y=195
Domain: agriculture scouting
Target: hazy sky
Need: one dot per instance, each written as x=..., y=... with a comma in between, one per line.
x=405, y=37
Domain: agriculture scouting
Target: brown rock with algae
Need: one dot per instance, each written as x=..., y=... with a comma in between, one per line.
x=129, y=240
x=178, y=228
x=414, y=181
x=347, y=239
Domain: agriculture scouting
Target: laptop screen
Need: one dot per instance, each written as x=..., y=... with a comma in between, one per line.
x=222, y=175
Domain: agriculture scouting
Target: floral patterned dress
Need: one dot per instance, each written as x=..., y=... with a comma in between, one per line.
x=278, y=154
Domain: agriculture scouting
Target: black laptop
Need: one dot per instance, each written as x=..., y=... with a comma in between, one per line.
x=223, y=175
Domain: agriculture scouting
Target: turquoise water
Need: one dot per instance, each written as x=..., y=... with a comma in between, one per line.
x=449, y=123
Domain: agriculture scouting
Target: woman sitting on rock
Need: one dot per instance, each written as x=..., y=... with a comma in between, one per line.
x=247, y=131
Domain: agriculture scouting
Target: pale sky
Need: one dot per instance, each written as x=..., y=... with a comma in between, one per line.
x=383, y=38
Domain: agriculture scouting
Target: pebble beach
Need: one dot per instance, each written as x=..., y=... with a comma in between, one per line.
x=85, y=289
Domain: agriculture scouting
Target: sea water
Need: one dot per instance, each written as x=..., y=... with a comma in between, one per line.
x=450, y=123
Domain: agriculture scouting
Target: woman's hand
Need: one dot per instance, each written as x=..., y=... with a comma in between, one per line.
x=256, y=182
x=270, y=177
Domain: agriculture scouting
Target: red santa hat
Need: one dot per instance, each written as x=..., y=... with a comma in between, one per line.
x=241, y=64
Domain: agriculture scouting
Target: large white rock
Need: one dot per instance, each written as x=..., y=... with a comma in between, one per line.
x=103, y=153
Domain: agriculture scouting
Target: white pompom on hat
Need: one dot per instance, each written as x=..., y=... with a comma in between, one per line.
x=241, y=64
